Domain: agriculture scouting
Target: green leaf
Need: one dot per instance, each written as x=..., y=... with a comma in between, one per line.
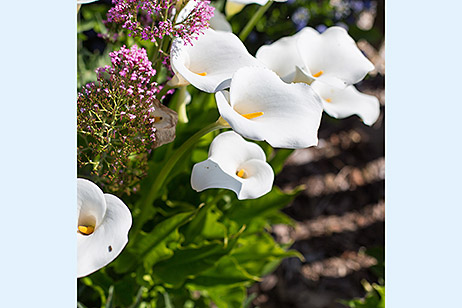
x=244, y=211
x=226, y=272
x=254, y=252
x=279, y=158
x=161, y=251
x=150, y=240
x=191, y=261
x=379, y=254
x=125, y=291
x=225, y=297
x=205, y=225
x=147, y=243
x=375, y=297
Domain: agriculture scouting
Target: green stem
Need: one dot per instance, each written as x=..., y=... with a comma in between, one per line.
x=163, y=174
x=253, y=21
x=164, y=91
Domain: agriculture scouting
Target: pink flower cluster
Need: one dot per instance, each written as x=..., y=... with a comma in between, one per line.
x=131, y=72
x=154, y=19
x=115, y=120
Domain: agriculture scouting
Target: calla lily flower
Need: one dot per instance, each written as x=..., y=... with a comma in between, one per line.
x=219, y=22
x=234, y=164
x=331, y=57
x=342, y=103
x=102, y=227
x=211, y=62
x=260, y=106
x=282, y=56
x=85, y=1
x=235, y=6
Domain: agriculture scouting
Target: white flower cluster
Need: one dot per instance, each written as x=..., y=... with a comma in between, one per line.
x=277, y=96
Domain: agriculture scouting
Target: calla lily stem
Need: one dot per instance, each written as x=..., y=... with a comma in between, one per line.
x=163, y=174
x=253, y=21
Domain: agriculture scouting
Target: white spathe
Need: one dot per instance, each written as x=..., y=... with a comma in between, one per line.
x=235, y=6
x=342, y=103
x=331, y=57
x=211, y=62
x=234, y=164
x=108, y=220
x=282, y=56
x=85, y=1
x=284, y=115
x=219, y=22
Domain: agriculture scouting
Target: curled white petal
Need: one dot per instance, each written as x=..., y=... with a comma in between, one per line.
x=211, y=62
x=235, y=6
x=230, y=154
x=109, y=237
x=282, y=56
x=219, y=22
x=342, y=103
x=259, y=2
x=290, y=114
x=85, y=1
x=332, y=57
x=91, y=204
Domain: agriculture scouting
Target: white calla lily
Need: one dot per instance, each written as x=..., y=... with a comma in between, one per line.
x=234, y=164
x=331, y=57
x=342, y=103
x=282, y=56
x=85, y=1
x=260, y=106
x=211, y=62
x=102, y=227
x=235, y=6
x=219, y=22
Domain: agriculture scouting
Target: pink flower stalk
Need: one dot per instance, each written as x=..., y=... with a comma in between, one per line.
x=116, y=120
x=155, y=19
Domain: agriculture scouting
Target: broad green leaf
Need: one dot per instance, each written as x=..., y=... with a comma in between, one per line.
x=161, y=231
x=244, y=211
x=226, y=272
x=279, y=158
x=161, y=251
x=225, y=297
x=190, y=262
x=125, y=291
x=205, y=225
x=253, y=252
x=146, y=242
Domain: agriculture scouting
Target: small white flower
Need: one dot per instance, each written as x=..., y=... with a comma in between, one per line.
x=260, y=106
x=102, y=227
x=234, y=164
x=342, y=103
x=211, y=62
